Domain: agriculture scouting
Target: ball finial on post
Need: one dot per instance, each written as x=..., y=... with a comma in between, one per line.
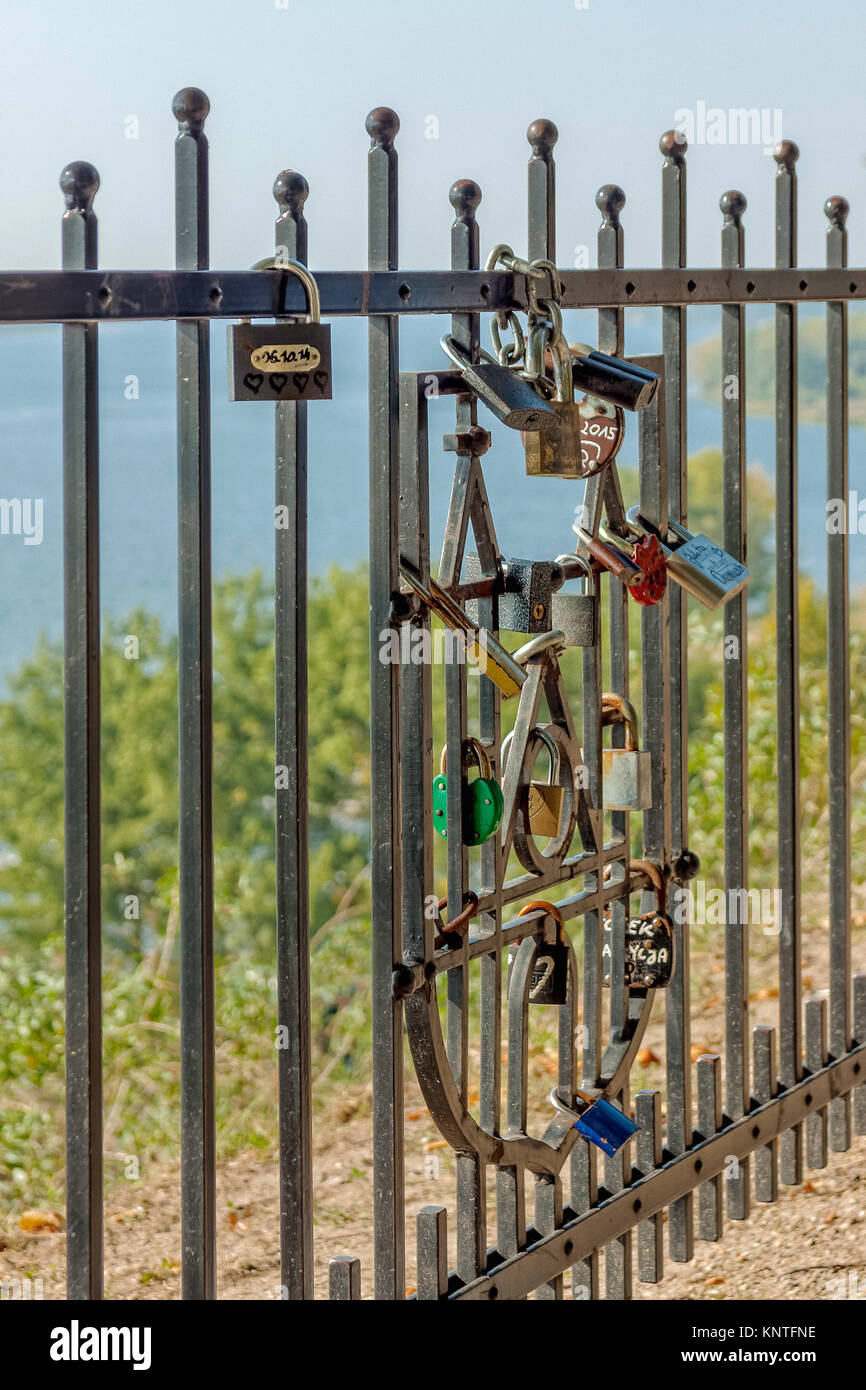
x=191, y=108
x=733, y=205
x=291, y=191
x=836, y=210
x=464, y=196
x=382, y=125
x=79, y=182
x=786, y=154
x=542, y=136
x=610, y=201
x=673, y=145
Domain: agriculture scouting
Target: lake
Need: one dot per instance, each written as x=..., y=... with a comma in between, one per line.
x=138, y=469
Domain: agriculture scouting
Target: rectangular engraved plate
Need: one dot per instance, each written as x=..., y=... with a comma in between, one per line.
x=279, y=362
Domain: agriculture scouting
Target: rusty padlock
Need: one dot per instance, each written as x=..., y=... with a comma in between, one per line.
x=649, y=938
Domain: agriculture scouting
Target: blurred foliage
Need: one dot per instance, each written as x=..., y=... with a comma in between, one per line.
x=139, y=757
x=705, y=366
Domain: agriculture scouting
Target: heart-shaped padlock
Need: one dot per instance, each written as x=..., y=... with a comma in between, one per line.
x=482, y=800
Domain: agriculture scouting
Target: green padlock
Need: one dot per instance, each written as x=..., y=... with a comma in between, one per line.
x=483, y=803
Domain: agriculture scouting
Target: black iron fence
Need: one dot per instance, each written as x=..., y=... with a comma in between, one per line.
x=749, y=1112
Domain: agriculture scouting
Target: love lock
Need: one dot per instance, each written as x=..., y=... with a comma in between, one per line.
x=549, y=982
x=289, y=360
x=649, y=938
x=598, y=1121
x=626, y=772
x=544, y=803
x=482, y=801
x=701, y=567
x=575, y=615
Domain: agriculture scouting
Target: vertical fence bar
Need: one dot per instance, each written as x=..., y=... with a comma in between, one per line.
x=859, y=1020
x=766, y=1159
x=382, y=125
x=678, y=1002
x=432, y=1243
x=838, y=677
x=195, y=705
x=709, y=1123
x=736, y=714
x=464, y=197
x=548, y=1216
x=788, y=658
x=610, y=201
x=81, y=667
x=292, y=868
x=650, y=1233
x=816, y=1057
x=344, y=1279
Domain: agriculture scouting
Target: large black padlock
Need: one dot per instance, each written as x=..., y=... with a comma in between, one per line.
x=649, y=938
x=285, y=361
x=549, y=982
x=510, y=397
x=611, y=379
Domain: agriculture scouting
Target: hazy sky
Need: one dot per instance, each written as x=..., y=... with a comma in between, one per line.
x=290, y=87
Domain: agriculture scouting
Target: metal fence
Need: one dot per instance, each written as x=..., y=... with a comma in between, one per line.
x=753, y=1113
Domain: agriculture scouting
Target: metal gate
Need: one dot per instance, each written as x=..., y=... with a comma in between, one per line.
x=754, y=1109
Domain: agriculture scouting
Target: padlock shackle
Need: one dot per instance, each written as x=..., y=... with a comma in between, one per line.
x=656, y=878
x=574, y=567
x=538, y=645
x=472, y=748
x=542, y=905
x=620, y=710
x=306, y=277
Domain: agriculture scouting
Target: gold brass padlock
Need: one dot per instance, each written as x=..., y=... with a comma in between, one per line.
x=543, y=801
x=557, y=453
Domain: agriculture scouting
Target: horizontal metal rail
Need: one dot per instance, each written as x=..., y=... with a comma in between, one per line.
x=101, y=296
x=552, y=1254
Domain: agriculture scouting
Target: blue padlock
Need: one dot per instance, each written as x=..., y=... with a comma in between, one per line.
x=603, y=1125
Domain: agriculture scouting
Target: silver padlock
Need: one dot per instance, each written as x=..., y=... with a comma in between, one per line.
x=626, y=772
x=698, y=565
x=575, y=614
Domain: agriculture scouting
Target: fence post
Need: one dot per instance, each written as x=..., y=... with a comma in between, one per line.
x=195, y=709
x=387, y=934
x=81, y=669
x=292, y=866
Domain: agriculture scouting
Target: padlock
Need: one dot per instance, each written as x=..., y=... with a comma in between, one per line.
x=649, y=555
x=556, y=453
x=626, y=772
x=543, y=802
x=576, y=615
x=549, y=981
x=604, y=1125
x=611, y=379
x=524, y=593
x=482, y=802
x=284, y=361
x=482, y=647
x=649, y=938
x=598, y=1121
x=511, y=397
x=698, y=565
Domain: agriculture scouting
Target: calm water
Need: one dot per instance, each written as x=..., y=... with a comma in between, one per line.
x=138, y=470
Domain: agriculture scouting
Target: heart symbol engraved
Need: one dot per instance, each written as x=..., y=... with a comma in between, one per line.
x=300, y=380
x=276, y=381
x=253, y=381
x=321, y=379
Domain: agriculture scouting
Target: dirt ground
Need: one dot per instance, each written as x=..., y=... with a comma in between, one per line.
x=809, y=1244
